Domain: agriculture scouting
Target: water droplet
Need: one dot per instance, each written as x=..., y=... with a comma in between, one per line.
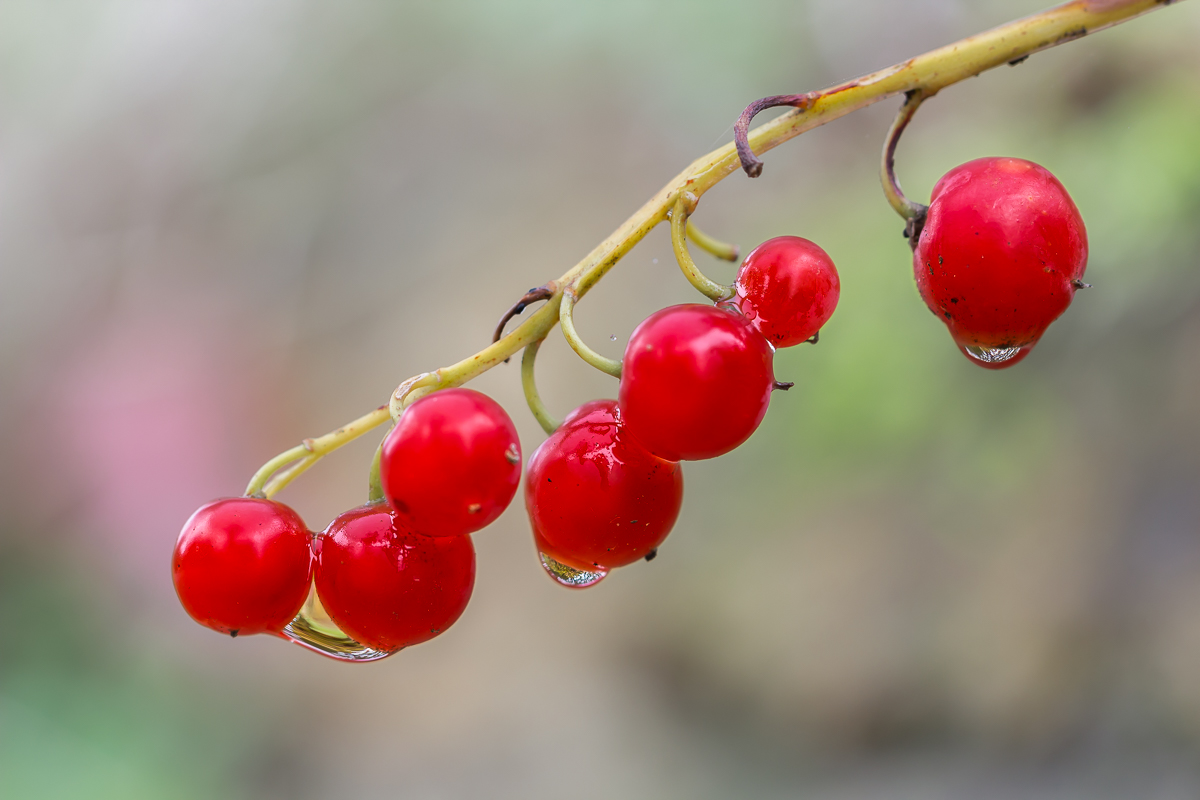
x=732, y=306
x=513, y=454
x=569, y=576
x=312, y=628
x=612, y=337
x=654, y=261
x=991, y=355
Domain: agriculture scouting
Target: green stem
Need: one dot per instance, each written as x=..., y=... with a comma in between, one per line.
x=532, y=398
x=722, y=250
x=374, y=479
x=282, y=479
x=679, y=224
x=567, y=322
x=310, y=451
x=891, y=187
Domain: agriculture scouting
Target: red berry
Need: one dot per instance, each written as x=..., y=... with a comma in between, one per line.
x=243, y=565
x=787, y=288
x=695, y=383
x=596, y=498
x=999, y=254
x=452, y=463
x=387, y=587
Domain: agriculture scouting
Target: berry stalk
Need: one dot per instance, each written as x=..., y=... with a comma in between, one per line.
x=532, y=398
x=680, y=225
x=719, y=249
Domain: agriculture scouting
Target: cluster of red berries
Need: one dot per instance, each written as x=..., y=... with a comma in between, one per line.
x=605, y=489
x=602, y=491
x=388, y=574
x=998, y=257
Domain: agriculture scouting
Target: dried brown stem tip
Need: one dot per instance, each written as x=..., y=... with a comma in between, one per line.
x=532, y=296
x=741, y=128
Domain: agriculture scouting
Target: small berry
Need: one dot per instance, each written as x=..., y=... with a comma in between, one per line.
x=787, y=288
x=695, y=383
x=596, y=498
x=452, y=463
x=1000, y=255
x=387, y=587
x=243, y=565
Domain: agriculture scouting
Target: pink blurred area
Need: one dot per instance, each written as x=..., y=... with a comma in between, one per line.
x=140, y=418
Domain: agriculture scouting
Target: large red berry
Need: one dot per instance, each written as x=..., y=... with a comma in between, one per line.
x=597, y=498
x=243, y=565
x=387, y=587
x=695, y=382
x=999, y=256
x=452, y=463
x=788, y=288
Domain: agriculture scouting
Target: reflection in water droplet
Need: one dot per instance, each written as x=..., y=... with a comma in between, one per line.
x=732, y=306
x=991, y=355
x=569, y=576
x=312, y=628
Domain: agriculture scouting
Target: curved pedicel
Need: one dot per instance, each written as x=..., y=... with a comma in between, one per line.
x=313, y=629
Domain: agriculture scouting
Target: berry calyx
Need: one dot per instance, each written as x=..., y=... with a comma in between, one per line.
x=452, y=463
x=999, y=256
x=596, y=498
x=788, y=289
x=386, y=586
x=696, y=381
x=243, y=565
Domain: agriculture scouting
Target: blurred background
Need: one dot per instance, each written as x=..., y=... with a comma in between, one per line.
x=228, y=225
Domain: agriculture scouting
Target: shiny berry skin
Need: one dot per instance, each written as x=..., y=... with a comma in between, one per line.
x=243, y=565
x=695, y=382
x=595, y=496
x=1001, y=247
x=787, y=288
x=387, y=587
x=452, y=463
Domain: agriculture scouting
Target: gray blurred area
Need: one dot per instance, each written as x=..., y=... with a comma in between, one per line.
x=225, y=226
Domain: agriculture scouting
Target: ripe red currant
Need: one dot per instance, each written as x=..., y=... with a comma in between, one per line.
x=596, y=498
x=452, y=463
x=1000, y=256
x=387, y=587
x=243, y=565
x=787, y=288
x=695, y=382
